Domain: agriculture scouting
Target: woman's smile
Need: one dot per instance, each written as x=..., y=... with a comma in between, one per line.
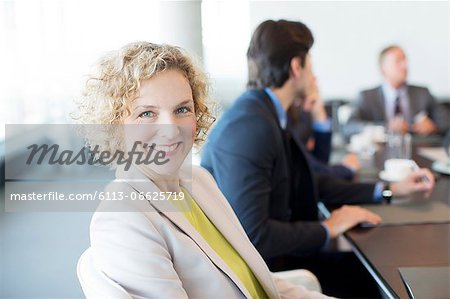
x=169, y=149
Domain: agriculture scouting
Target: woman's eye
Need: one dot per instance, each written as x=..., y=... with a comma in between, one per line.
x=147, y=114
x=182, y=110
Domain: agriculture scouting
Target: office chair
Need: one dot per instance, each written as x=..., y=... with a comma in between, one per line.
x=300, y=277
x=95, y=284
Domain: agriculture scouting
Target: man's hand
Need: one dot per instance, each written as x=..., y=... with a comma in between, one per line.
x=399, y=125
x=347, y=217
x=313, y=103
x=424, y=126
x=421, y=180
x=310, y=144
x=318, y=109
x=351, y=161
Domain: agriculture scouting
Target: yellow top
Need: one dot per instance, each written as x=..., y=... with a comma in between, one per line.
x=219, y=244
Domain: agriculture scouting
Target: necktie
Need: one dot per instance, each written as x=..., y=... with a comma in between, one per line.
x=397, y=107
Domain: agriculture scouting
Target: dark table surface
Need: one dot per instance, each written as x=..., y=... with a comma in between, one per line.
x=384, y=249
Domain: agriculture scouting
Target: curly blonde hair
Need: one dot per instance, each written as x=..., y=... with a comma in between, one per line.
x=115, y=83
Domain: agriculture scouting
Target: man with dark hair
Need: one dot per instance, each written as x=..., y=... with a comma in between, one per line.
x=307, y=119
x=402, y=107
x=265, y=176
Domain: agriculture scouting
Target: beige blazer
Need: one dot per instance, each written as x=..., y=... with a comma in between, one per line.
x=153, y=251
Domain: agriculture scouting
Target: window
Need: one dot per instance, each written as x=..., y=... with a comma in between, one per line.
x=48, y=46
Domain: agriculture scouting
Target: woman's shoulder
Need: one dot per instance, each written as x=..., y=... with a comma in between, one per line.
x=207, y=183
x=120, y=196
x=202, y=176
x=200, y=173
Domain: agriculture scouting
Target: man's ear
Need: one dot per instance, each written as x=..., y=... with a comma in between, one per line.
x=296, y=66
x=382, y=70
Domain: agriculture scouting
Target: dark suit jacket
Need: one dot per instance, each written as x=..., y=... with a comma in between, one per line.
x=370, y=107
x=274, y=196
x=300, y=124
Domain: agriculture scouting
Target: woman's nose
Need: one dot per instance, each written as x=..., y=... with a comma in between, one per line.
x=168, y=130
x=168, y=126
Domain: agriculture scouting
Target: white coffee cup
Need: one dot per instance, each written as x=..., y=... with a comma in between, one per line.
x=375, y=133
x=398, y=169
x=360, y=142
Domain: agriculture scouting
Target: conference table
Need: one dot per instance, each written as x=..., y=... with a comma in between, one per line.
x=384, y=249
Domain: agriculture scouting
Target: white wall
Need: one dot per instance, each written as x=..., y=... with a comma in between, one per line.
x=349, y=36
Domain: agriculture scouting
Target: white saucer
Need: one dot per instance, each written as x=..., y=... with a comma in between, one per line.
x=385, y=177
x=380, y=139
x=441, y=167
x=352, y=149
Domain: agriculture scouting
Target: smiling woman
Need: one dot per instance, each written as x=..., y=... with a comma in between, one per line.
x=119, y=87
x=163, y=114
x=192, y=247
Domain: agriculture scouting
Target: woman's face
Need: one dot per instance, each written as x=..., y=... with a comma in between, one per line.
x=163, y=114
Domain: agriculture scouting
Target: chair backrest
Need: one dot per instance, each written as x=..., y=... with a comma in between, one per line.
x=344, y=112
x=302, y=278
x=95, y=284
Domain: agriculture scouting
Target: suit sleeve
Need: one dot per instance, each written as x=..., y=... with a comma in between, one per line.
x=129, y=250
x=322, y=147
x=337, y=191
x=437, y=113
x=320, y=168
x=242, y=167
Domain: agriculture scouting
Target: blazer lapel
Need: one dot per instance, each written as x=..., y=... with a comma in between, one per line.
x=142, y=184
x=381, y=104
x=235, y=235
x=284, y=133
x=413, y=108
